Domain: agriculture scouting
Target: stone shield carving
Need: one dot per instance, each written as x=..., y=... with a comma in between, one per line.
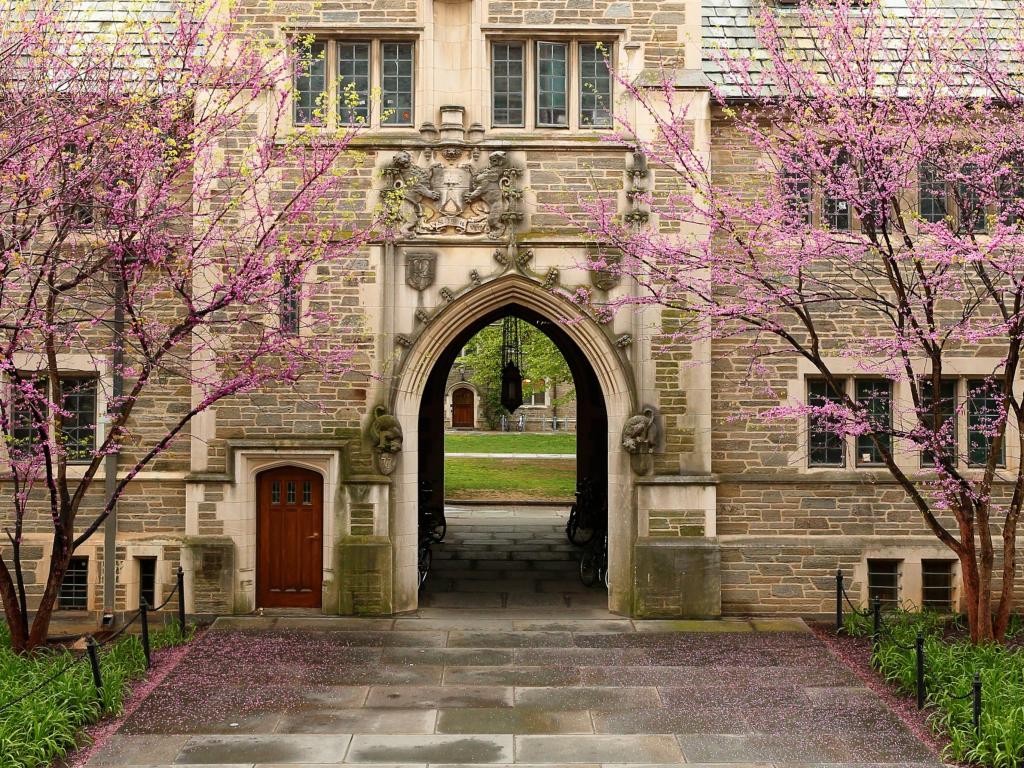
x=420, y=269
x=455, y=197
x=386, y=434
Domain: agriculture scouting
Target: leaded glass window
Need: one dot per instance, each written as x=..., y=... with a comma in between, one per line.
x=984, y=410
x=290, y=308
x=397, y=83
x=353, y=83
x=972, y=211
x=947, y=417
x=797, y=192
x=835, y=212
x=507, y=83
x=824, y=442
x=552, y=84
x=595, y=86
x=78, y=425
x=310, y=85
x=28, y=412
x=876, y=398
x=931, y=193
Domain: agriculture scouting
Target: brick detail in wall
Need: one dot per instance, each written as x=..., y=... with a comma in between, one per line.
x=668, y=523
x=670, y=354
x=361, y=519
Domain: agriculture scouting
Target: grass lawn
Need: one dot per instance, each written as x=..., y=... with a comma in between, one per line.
x=518, y=479
x=511, y=442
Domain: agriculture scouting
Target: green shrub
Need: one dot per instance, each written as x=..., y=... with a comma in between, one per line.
x=45, y=726
x=950, y=666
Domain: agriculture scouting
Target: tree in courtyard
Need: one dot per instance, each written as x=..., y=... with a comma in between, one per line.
x=877, y=231
x=543, y=365
x=160, y=237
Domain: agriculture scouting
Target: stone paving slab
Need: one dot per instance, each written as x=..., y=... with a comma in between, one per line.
x=365, y=720
x=520, y=720
x=472, y=749
x=605, y=749
x=278, y=748
x=436, y=697
x=514, y=676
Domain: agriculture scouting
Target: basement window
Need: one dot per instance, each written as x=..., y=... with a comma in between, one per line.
x=884, y=583
x=937, y=585
x=147, y=580
x=74, y=590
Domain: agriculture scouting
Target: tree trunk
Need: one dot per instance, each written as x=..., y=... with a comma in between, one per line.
x=1002, y=619
x=16, y=618
x=59, y=559
x=969, y=571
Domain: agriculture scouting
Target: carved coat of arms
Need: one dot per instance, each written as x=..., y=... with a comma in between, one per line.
x=456, y=198
x=419, y=269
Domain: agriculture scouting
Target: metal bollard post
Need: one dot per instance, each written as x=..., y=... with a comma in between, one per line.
x=181, y=600
x=977, y=703
x=144, y=619
x=839, y=599
x=92, y=648
x=919, y=647
x=876, y=633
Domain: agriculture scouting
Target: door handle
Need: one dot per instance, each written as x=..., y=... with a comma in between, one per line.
x=314, y=536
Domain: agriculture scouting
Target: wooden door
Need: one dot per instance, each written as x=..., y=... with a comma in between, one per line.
x=462, y=409
x=289, y=539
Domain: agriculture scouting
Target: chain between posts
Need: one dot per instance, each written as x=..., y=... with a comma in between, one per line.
x=92, y=647
x=918, y=647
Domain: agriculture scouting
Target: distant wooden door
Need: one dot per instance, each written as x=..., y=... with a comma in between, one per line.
x=289, y=539
x=462, y=409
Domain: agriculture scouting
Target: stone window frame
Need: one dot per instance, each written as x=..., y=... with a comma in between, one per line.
x=533, y=404
x=376, y=39
x=530, y=39
x=65, y=375
x=847, y=368
x=911, y=557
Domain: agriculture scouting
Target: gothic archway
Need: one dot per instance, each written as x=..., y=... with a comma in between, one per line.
x=596, y=364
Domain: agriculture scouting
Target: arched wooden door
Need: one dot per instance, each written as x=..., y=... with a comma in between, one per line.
x=463, y=416
x=289, y=538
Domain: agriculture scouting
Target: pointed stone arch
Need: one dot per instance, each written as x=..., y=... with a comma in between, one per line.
x=454, y=324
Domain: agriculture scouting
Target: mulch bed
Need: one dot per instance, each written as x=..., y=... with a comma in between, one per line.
x=855, y=653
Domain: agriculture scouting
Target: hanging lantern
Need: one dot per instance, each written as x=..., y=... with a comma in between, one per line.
x=511, y=365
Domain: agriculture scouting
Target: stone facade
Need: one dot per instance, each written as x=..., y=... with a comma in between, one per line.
x=723, y=516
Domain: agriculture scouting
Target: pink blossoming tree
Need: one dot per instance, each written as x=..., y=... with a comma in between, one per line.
x=160, y=226
x=879, y=233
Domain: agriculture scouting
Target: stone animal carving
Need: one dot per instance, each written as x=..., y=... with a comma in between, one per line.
x=415, y=184
x=386, y=433
x=640, y=433
x=486, y=186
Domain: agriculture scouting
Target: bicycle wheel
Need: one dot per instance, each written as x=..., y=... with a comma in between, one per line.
x=424, y=559
x=570, y=524
x=581, y=532
x=589, y=572
x=440, y=529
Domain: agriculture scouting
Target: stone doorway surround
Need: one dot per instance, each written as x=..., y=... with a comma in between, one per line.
x=616, y=386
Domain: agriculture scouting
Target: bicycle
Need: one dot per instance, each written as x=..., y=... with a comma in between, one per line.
x=424, y=558
x=594, y=563
x=431, y=516
x=580, y=527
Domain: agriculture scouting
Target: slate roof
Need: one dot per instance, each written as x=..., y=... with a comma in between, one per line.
x=729, y=24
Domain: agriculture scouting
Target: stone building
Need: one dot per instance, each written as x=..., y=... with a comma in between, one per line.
x=547, y=406
x=486, y=114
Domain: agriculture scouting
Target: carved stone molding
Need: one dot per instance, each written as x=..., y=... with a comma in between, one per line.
x=457, y=196
x=420, y=268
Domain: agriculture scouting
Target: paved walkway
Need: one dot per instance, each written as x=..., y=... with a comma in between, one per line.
x=515, y=664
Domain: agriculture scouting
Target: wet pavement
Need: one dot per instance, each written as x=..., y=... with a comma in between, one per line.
x=551, y=684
